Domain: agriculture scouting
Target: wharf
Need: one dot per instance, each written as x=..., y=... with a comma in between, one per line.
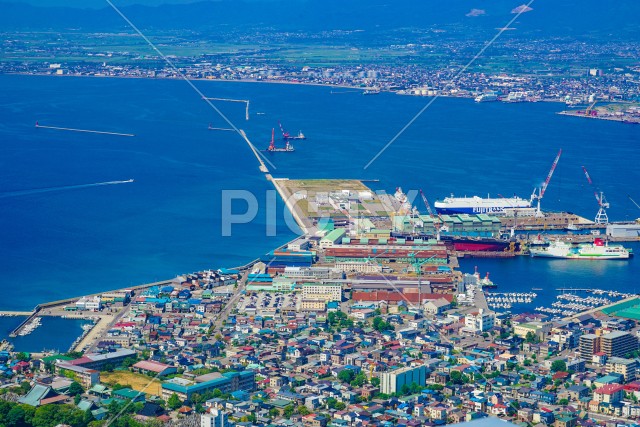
x=47, y=308
x=623, y=118
x=4, y=313
x=582, y=238
x=486, y=254
x=550, y=221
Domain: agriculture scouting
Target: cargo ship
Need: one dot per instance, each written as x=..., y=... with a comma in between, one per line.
x=599, y=249
x=469, y=244
x=502, y=206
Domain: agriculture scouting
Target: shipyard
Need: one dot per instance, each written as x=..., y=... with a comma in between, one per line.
x=368, y=261
x=371, y=277
x=285, y=213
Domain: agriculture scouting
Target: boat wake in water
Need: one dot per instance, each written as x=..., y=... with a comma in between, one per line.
x=61, y=188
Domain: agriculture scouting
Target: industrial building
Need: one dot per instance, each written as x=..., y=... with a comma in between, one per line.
x=392, y=382
x=625, y=229
x=332, y=238
x=464, y=225
x=89, y=303
x=397, y=252
x=322, y=292
x=312, y=273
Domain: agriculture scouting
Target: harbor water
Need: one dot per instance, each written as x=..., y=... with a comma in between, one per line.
x=53, y=334
x=62, y=239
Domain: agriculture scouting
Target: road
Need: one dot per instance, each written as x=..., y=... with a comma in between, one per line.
x=229, y=306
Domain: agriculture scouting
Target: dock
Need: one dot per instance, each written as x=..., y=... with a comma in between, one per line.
x=15, y=313
x=262, y=167
x=46, y=309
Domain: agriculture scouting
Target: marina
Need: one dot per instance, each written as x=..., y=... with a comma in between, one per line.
x=506, y=300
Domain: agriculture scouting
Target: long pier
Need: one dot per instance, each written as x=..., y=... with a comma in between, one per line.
x=231, y=100
x=263, y=167
x=83, y=130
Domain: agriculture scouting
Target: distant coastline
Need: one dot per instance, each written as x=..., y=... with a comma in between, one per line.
x=280, y=82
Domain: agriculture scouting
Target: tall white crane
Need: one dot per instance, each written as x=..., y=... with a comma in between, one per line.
x=543, y=187
x=438, y=222
x=601, y=216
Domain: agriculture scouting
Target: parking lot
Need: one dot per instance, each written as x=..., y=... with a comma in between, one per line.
x=262, y=303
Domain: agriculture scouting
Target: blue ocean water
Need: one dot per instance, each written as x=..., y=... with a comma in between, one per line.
x=54, y=334
x=70, y=242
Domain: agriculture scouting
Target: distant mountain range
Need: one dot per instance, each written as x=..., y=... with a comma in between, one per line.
x=573, y=18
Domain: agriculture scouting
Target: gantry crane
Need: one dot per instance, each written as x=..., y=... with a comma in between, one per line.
x=601, y=216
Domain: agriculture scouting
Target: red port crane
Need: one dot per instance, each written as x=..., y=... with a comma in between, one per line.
x=272, y=144
x=285, y=135
x=601, y=216
x=543, y=187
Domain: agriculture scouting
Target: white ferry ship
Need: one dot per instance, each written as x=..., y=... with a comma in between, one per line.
x=599, y=249
x=475, y=205
x=487, y=97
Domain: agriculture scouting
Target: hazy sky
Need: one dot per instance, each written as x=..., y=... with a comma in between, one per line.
x=100, y=3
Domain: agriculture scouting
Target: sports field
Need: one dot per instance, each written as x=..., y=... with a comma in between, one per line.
x=136, y=381
x=628, y=309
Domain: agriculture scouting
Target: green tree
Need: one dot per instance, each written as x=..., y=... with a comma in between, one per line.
x=346, y=375
x=288, y=411
x=174, y=402
x=375, y=381
x=563, y=402
x=46, y=416
x=129, y=361
x=75, y=388
x=303, y=410
x=404, y=390
x=456, y=377
x=15, y=417
x=340, y=406
x=531, y=337
x=558, y=366
x=380, y=325
x=359, y=380
x=22, y=356
x=331, y=402
x=25, y=386
x=274, y=412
